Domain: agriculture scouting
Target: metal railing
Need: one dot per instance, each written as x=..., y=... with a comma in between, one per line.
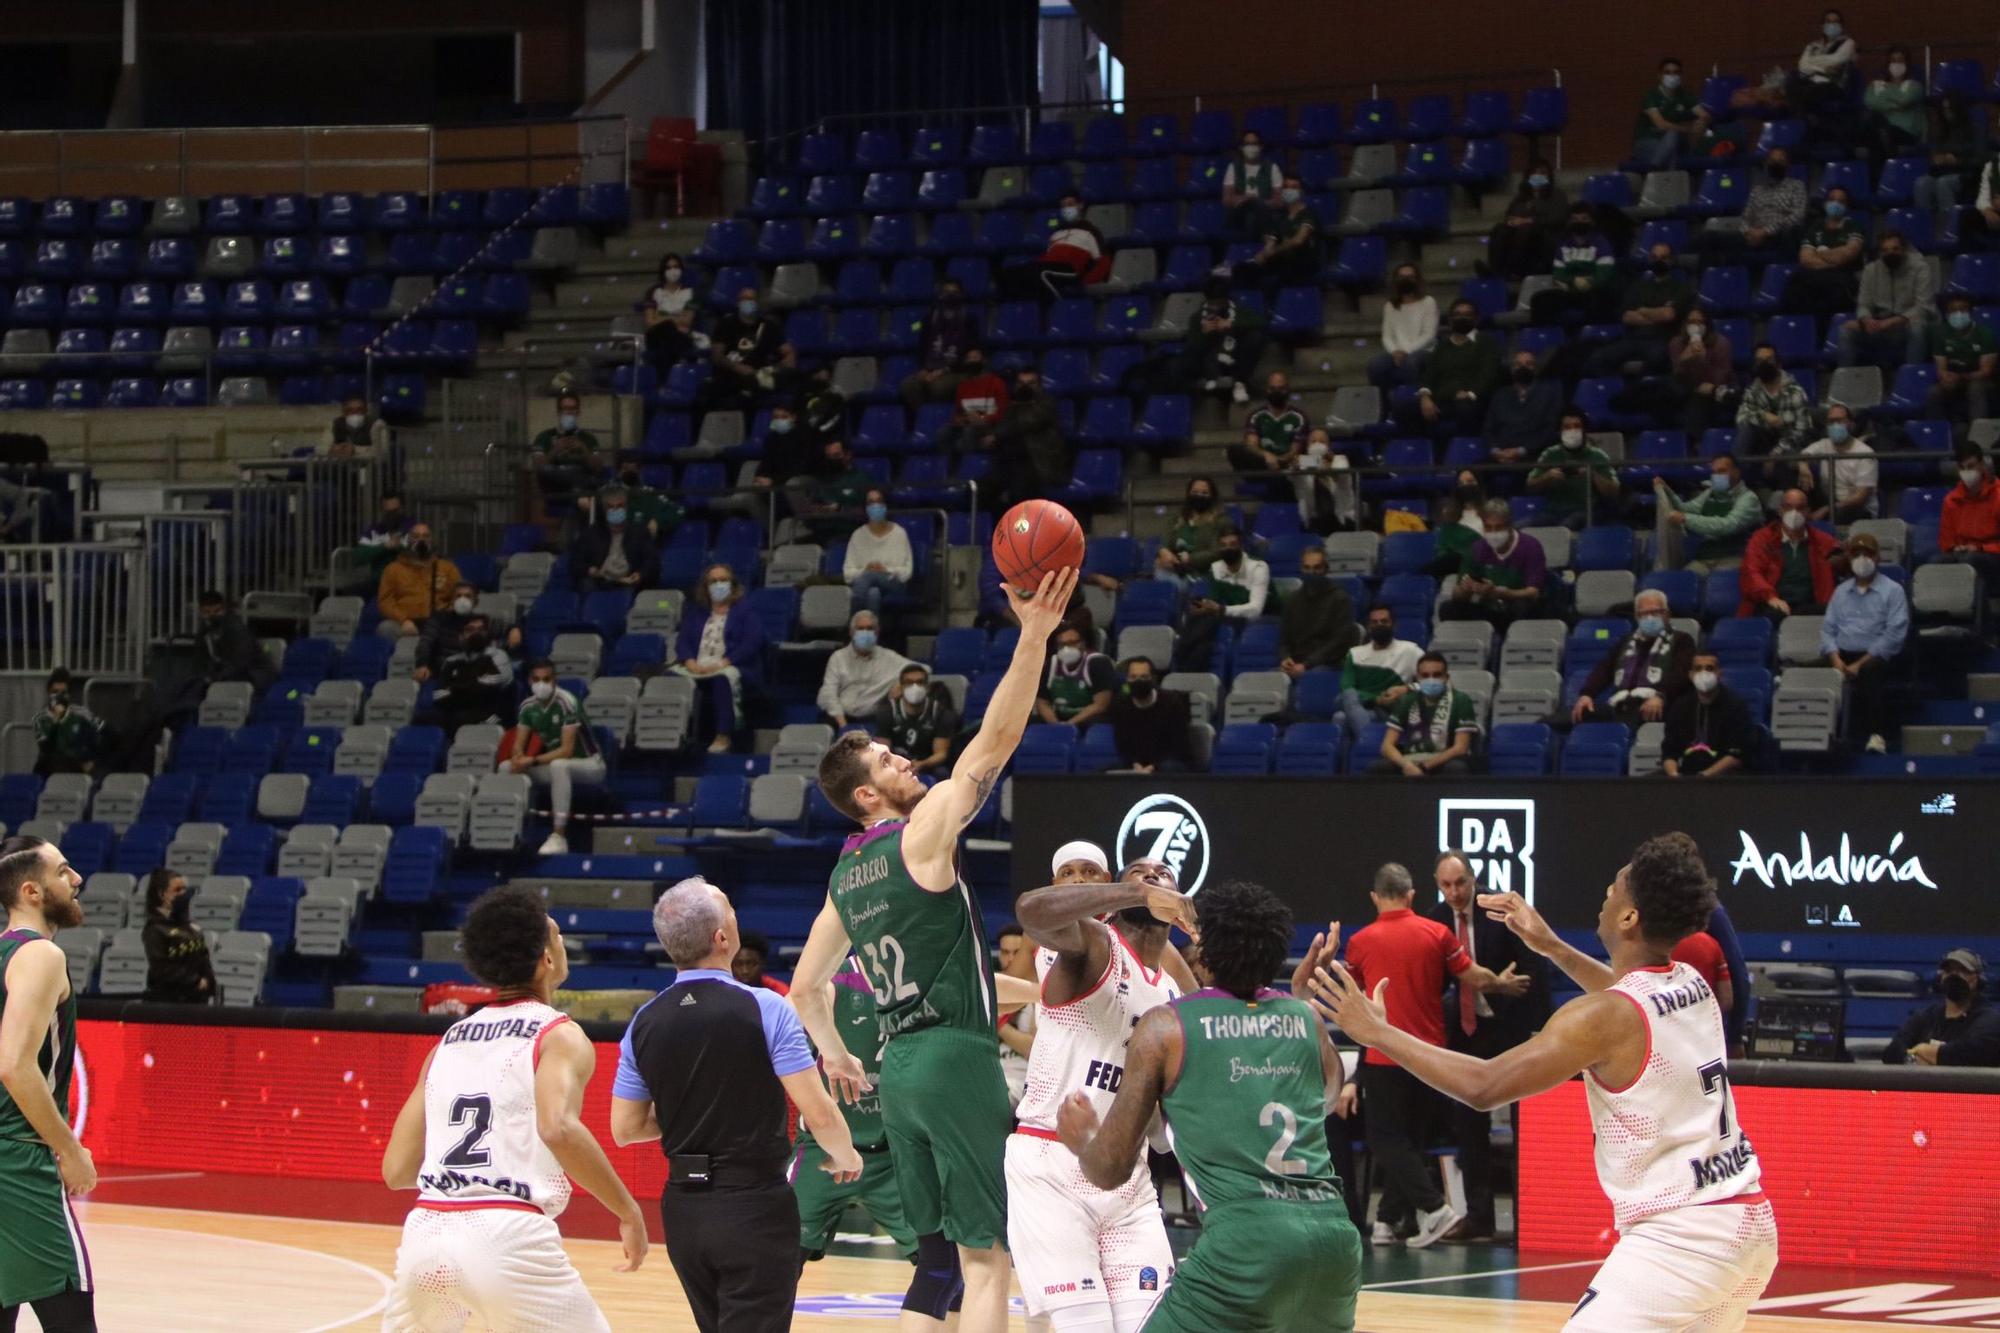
x=80, y=605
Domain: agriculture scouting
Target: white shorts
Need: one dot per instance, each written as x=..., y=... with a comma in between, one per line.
x=505, y=1265
x=1697, y=1268
x=1075, y=1244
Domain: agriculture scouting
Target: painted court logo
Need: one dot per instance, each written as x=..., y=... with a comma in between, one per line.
x=1497, y=836
x=1163, y=827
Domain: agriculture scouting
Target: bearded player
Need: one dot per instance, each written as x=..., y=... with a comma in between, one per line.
x=897, y=902
x=1091, y=1260
x=1697, y=1238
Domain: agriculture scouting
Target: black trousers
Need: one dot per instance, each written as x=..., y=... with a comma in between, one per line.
x=1867, y=702
x=71, y=1312
x=1473, y=1130
x=1398, y=1112
x=736, y=1252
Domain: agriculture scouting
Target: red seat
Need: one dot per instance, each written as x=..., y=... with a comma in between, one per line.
x=674, y=154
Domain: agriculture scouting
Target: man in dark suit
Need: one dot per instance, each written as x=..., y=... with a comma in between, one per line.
x=1484, y=1024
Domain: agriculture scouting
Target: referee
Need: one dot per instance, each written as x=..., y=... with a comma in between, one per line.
x=705, y=1069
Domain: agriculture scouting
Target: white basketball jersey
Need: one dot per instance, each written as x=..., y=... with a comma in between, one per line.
x=1080, y=1046
x=1671, y=1139
x=481, y=1147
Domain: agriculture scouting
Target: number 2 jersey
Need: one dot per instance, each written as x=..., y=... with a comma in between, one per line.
x=481, y=1146
x=924, y=953
x=1670, y=1138
x=1080, y=1046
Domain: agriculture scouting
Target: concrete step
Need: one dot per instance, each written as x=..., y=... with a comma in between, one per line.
x=1931, y=740
x=616, y=291
x=1982, y=685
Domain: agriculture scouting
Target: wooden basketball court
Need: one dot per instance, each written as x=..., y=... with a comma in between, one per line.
x=213, y=1272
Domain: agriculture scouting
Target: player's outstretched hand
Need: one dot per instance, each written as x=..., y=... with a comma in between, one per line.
x=1318, y=954
x=846, y=1077
x=1339, y=998
x=1076, y=1122
x=1041, y=613
x=1171, y=906
x=844, y=1167
x=1512, y=911
x=632, y=1236
x=79, y=1172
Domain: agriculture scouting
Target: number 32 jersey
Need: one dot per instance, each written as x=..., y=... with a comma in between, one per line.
x=1670, y=1138
x=481, y=1146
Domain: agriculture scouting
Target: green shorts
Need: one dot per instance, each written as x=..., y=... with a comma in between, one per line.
x=944, y=1105
x=41, y=1247
x=1266, y=1266
x=822, y=1199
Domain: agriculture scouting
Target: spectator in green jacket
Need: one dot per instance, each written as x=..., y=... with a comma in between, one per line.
x=1274, y=433
x=1458, y=378
x=67, y=736
x=1718, y=520
x=1671, y=119
x=1585, y=274
x=1195, y=540
x=1896, y=119
x=1569, y=470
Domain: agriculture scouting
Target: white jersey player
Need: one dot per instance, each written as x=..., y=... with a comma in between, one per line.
x=489, y=1140
x=1090, y=1260
x=1697, y=1238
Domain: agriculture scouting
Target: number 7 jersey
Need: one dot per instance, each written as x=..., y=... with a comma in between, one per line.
x=481, y=1145
x=1670, y=1138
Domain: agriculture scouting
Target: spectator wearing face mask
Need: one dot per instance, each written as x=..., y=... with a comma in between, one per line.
x=1962, y=349
x=1220, y=353
x=860, y=674
x=417, y=584
x=1458, y=377
x=917, y=720
x=356, y=432
x=1717, y=520
x=950, y=331
x=1234, y=587
x=1773, y=215
x=1274, y=432
x=1702, y=363
x=1076, y=256
x=1459, y=525
x=749, y=352
x=1378, y=671
x=381, y=541
x=1078, y=684
x=1892, y=311
x=1840, y=471
x=1657, y=303
x=229, y=651
x=652, y=509
x=1829, y=261
x=1324, y=487
x=1030, y=456
x=1962, y=1028
x=444, y=632
x=789, y=448
x=1195, y=539
x=566, y=459
x=613, y=552
x=1524, y=413
x=1866, y=625
x=475, y=679
x=1896, y=119
x=1789, y=566
x=1818, y=88
x=981, y=399
x=1432, y=728
x=1969, y=527
x=878, y=560
x=669, y=314
x=1671, y=121
x=1645, y=672
x=1584, y=272
x=554, y=746
x=1576, y=477
x=1505, y=573
x=1250, y=185
x=832, y=490
x=720, y=646
x=1316, y=624
x=1409, y=330
x=1290, y=256
x=1774, y=417
x=178, y=968
x=1149, y=723
x=68, y=737
x=1708, y=731
x=1523, y=240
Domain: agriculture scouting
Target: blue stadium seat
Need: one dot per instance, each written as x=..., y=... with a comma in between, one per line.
x=118, y=215
x=830, y=194
x=994, y=146
x=821, y=153
x=877, y=150
x=1310, y=749
x=416, y=861
x=1046, y=748
x=1682, y=587
x=937, y=145
x=1596, y=749
x=1244, y=748
x=1603, y=547
x=131, y=392
x=1742, y=641
x=248, y=849
x=227, y=215
x=344, y=211
x=1519, y=749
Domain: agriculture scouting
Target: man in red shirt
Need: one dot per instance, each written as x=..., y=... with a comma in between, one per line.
x=1790, y=567
x=1700, y=952
x=1416, y=955
x=981, y=397
x=1969, y=527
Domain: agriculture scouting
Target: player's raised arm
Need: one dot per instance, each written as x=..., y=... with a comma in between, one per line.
x=812, y=998
x=930, y=843
x=1106, y=1153
x=562, y=1071
x=1601, y=1032
x=1512, y=911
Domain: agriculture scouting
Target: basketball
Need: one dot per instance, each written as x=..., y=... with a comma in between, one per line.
x=1034, y=538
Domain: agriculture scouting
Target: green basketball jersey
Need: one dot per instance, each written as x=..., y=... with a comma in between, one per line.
x=861, y=1031
x=1248, y=1112
x=924, y=953
x=56, y=1059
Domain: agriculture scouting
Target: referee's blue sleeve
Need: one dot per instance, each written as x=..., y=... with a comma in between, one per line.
x=784, y=1034
x=628, y=1084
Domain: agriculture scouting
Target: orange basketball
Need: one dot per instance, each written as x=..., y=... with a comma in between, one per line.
x=1034, y=538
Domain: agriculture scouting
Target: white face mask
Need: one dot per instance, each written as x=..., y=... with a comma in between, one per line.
x=1705, y=681
x=1971, y=476
x=1897, y=69
x=1793, y=519
x=462, y=605
x=1863, y=567
x=1251, y=152
x=1317, y=449
x=1501, y=539
x=1069, y=654
x=354, y=420
x=914, y=693
x=542, y=689
x=1572, y=438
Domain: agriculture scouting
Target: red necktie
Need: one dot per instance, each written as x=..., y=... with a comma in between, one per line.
x=1468, y=999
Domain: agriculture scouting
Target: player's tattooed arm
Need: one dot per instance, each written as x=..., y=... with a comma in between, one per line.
x=1152, y=1060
